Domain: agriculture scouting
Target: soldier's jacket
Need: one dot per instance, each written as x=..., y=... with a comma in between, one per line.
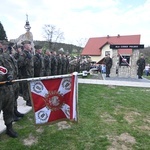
x=38, y=65
x=47, y=65
x=108, y=61
x=26, y=64
x=141, y=63
x=54, y=64
x=64, y=63
x=59, y=65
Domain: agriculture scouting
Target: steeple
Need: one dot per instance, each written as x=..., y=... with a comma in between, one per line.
x=27, y=25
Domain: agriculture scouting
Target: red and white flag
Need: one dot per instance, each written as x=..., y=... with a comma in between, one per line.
x=55, y=99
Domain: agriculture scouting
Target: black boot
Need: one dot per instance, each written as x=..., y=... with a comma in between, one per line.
x=10, y=131
x=17, y=113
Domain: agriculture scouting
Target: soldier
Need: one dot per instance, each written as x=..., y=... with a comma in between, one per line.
x=67, y=63
x=38, y=62
x=64, y=63
x=141, y=66
x=47, y=63
x=8, y=54
x=26, y=65
x=54, y=63
x=6, y=92
x=108, y=63
x=59, y=66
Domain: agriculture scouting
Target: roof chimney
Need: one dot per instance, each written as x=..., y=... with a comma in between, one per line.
x=118, y=35
x=107, y=36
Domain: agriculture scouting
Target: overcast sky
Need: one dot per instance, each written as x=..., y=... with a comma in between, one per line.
x=78, y=19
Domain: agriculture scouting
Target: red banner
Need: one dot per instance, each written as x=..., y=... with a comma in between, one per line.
x=54, y=99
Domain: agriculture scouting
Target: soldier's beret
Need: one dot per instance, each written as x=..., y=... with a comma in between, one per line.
x=38, y=47
x=26, y=42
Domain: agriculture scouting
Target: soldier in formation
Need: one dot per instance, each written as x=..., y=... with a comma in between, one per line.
x=7, y=102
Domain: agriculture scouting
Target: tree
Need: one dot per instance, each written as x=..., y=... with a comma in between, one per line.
x=3, y=35
x=52, y=35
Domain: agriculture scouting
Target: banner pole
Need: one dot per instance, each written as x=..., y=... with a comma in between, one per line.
x=43, y=78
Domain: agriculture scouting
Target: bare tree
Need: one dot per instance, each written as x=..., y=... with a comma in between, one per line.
x=81, y=43
x=52, y=35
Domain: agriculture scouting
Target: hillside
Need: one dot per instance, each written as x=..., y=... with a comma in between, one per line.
x=56, y=46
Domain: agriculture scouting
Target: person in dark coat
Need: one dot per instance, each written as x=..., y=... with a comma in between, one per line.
x=141, y=66
x=108, y=64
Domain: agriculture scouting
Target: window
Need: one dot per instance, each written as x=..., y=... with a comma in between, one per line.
x=107, y=52
x=124, y=60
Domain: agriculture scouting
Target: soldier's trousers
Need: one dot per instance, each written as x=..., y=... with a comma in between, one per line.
x=25, y=91
x=7, y=103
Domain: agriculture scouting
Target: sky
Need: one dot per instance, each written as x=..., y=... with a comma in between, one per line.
x=79, y=20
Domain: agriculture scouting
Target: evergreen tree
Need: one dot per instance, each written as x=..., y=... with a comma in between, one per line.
x=3, y=35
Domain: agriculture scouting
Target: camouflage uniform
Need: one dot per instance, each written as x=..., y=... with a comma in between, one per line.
x=59, y=66
x=64, y=64
x=6, y=93
x=47, y=65
x=26, y=66
x=67, y=64
x=38, y=65
x=54, y=64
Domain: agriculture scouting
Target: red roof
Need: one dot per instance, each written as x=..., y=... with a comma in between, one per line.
x=95, y=45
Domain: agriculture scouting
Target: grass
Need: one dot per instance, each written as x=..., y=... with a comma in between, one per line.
x=109, y=117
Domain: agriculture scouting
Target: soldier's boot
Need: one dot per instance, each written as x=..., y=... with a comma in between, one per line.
x=10, y=131
x=17, y=113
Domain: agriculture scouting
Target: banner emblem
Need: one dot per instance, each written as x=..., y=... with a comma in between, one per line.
x=42, y=115
x=54, y=100
x=38, y=87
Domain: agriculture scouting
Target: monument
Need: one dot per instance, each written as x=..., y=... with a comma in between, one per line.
x=125, y=65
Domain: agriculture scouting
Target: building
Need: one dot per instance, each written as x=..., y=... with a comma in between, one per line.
x=124, y=60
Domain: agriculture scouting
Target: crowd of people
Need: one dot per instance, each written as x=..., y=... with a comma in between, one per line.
x=21, y=62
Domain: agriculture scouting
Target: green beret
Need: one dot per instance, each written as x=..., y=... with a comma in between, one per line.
x=25, y=42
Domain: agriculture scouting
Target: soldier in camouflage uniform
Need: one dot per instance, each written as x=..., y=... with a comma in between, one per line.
x=67, y=63
x=9, y=55
x=64, y=63
x=26, y=65
x=54, y=63
x=47, y=63
x=6, y=93
x=38, y=62
x=59, y=66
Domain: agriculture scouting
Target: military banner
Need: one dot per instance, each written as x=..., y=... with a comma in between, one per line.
x=54, y=100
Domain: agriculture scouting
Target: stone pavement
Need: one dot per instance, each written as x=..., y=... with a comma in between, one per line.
x=98, y=79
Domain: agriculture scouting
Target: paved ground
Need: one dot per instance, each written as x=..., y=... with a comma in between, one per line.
x=95, y=79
